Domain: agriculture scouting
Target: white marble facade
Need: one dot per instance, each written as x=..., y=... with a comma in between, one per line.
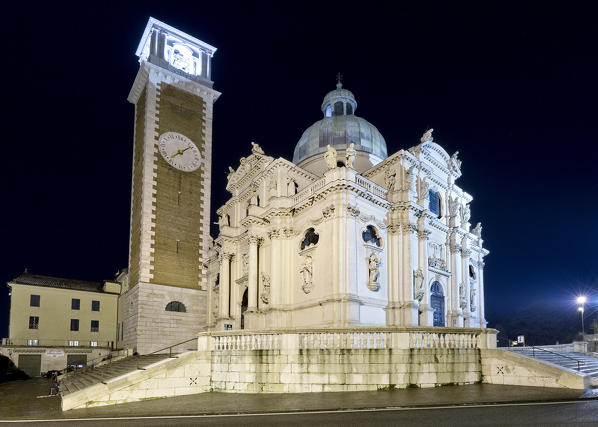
x=345, y=235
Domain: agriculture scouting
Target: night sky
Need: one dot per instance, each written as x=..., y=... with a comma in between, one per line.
x=512, y=85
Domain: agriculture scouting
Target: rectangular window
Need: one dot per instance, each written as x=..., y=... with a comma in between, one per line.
x=34, y=301
x=74, y=324
x=32, y=342
x=93, y=344
x=33, y=322
x=95, y=325
x=74, y=343
x=75, y=304
x=95, y=306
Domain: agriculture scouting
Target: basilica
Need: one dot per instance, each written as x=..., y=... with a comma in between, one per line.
x=345, y=235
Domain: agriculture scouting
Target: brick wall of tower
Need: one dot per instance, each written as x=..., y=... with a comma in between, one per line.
x=136, y=196
x=179, y=217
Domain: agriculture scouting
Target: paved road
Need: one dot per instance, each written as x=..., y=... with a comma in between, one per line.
x=532, y=414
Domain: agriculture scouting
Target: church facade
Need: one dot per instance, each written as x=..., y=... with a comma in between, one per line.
x=345, y=235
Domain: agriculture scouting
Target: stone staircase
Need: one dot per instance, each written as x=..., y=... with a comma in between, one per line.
x=90, y=376
x=579, y=362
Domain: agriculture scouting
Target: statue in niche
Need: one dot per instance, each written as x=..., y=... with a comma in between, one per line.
x=256, y=149
x=373, y=272
x=265, y=294
x=462, y=297
x=306, y=272
x=272, y=187
x=427, y=136
x=423, y=189
x=472, y=305
x=254, y=200
x=390, y=178
x=465, y=214
x=350, y=155
x=330, y=157
x=291, y=186
x=418, y=285
x=477, y=231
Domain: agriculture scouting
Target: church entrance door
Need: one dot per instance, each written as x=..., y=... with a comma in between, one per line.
x=437, y=303
x=244, y=305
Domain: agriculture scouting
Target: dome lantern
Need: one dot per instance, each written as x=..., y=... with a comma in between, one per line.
x=339, y=128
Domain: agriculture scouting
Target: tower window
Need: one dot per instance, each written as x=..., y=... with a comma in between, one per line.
x=176, y=306
x=349, y=109
x=310, y=238
x=370, y=235
x=34, y=301
x=338, y=108
x=328, y=111
x=435, y=202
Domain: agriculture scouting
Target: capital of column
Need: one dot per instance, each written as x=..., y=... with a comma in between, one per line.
x=224, y=256
x=465, y=253
x=253, y=239
x=423, y=234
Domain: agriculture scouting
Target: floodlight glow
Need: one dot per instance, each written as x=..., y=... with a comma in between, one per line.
x=581, y=300
x=580, y=309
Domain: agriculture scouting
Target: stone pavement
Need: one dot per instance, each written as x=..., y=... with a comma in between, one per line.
x=19, y=400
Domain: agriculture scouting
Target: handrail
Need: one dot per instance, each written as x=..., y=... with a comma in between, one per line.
x=169, y=348
x=560, y=355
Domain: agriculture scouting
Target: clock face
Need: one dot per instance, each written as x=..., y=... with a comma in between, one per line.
x=179, y=151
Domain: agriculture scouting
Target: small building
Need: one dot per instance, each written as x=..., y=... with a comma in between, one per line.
x=56, y=322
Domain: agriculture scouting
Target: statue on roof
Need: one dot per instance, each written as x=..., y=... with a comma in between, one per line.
x=350, y=155
x=256, y=149
x=427, y=136
x=330, y=157
x=455, y=160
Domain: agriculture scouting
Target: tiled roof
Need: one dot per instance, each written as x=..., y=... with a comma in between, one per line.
x=57, y=282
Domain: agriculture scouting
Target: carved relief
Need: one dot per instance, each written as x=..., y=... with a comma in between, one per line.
x=453, y=205
x=373, y=272
x=265, y=293
x=245, y=264
x=462, y=297
x=472, y=305
x=353, y=210
x=306, y=272
x=437, y=256
x=328, y=212
x=418, y=285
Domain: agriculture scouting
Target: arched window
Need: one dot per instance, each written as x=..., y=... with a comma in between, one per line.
x=370, y=235
x=435, y=202
x=471, y=272
x=349, y=109
x=340, y=164
x=328, y=111
x=176, y=306
x=310, y=238
x=338, y=108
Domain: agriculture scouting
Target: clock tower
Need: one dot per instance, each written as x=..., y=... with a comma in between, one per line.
x=170, y=199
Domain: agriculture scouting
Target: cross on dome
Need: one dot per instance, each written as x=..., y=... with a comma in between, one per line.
x=339, y=80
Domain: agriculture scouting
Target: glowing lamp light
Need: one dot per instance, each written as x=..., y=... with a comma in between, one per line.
x=581, y=300
x=580, y=309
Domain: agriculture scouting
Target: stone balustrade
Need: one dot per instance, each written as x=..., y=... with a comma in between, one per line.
x=349, y=338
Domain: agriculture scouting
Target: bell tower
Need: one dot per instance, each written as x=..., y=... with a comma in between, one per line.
x=170, y=198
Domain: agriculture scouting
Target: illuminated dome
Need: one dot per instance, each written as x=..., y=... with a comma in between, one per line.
x=339, y=128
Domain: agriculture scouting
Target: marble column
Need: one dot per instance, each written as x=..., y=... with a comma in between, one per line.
x=393, y=317
x=252, y=279
x=224, y=306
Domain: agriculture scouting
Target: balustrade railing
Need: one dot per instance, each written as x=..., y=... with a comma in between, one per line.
x=350, y=338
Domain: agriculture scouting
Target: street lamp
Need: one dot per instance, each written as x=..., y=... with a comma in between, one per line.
x=582, y=300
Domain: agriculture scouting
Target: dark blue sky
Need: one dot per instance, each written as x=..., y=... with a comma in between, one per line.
x=511, y=85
